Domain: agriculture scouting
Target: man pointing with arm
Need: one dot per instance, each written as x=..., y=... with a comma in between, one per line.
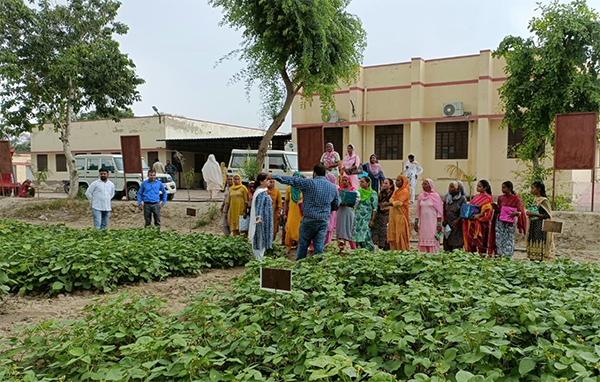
x=319, y=197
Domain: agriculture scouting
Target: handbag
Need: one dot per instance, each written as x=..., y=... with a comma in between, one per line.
x=357, y=170
x=505, y=212
x=468, y=210
x=244, y=223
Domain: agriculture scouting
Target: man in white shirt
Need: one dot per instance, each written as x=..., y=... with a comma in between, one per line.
x=100, y=194
x=158, y=167
x=412, y=170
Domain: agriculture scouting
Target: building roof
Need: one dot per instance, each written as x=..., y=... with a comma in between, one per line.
x=278, y=136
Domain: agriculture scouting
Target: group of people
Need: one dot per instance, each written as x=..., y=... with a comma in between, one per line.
x=358, y=206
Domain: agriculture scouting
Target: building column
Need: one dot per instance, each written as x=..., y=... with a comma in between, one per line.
x=482, y=154
x=354, y=137
x=416, y=141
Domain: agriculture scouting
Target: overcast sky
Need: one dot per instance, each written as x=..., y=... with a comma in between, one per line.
x=176, y=44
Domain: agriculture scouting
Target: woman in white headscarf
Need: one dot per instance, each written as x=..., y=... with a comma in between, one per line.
x=211, y=173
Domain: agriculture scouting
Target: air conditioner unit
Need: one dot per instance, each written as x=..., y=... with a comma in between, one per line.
x=290, y=146
x=453, y=109
x=331, y=117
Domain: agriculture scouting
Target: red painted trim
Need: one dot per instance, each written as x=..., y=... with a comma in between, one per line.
x=401, y=120
x=386, y=88
x=20, y=164
x=489, y=78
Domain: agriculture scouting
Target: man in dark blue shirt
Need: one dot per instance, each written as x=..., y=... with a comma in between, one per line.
x=319, y=196
x=150, y=194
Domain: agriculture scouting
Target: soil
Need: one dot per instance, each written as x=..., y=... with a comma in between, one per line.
x=579, y=241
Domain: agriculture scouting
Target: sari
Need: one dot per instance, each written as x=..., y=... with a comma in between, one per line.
x=375, y=172
x=477, y=231
x=505, y=231
x=398, y=227
x=345, y=218
x=429, y=209
x=329, y=158
x=351, y=161
x=294, y=217
x=454, y=239
x=540, y=244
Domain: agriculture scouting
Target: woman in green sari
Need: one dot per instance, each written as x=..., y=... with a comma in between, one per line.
x=366, y=211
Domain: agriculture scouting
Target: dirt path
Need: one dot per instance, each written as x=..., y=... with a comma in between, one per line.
x=26, y=310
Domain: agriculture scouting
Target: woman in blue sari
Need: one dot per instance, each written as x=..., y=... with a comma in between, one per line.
x=373, y=168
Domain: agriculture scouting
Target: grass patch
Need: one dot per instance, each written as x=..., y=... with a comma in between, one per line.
x=33, y=208
x=208, y=217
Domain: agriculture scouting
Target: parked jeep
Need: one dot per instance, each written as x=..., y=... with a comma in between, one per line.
x=89, y=165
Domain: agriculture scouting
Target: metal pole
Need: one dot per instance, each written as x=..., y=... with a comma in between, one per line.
x=553, y=185
x=593, y=185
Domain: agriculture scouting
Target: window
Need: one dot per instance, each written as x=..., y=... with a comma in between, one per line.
x=515, y=138
x=108, y=164
x=93, y=164
x=389, y=141
x=61, y=163
x=42, y=162
x=452, y=140
x=293, y=161
x=276, y=162
x=238, y=159
x=80, y=163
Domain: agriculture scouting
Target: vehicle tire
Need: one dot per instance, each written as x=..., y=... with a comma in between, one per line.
x=132, y=191
x=170, y=197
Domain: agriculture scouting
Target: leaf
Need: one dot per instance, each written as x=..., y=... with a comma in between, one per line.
x=526, y=365
x=350, y=371
x=115, y=373
x=77, y=352
x=57, y=285
x=463, y=376
x=589, y=357
x=370, y=334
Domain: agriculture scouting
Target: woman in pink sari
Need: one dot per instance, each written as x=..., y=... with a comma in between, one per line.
x=351, y=166
x=428, y=218
x=333, y=217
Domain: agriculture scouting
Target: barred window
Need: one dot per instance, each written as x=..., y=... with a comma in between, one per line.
x=389, y=141
x=61, y=163
x=452, y=140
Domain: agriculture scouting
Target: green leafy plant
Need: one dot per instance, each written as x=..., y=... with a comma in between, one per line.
x=386, y=316
x=250, y=168
x=208, y=217
x=189, y=177
x=55, y=259
x=455, y=172
x=530, y=174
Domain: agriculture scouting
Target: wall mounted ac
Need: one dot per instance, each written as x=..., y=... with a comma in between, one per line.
x=453, y=109
x=331, y=117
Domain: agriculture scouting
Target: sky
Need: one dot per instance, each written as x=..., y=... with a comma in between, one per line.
x=176, y=44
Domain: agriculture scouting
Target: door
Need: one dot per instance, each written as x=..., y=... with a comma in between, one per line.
x=310, y=147
x=335, y=135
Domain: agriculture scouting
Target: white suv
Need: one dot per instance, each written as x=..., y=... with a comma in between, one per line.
x=276, y=162
x=89, y=165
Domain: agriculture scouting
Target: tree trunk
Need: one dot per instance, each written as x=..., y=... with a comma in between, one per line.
x=65, y=134
x=275, y=125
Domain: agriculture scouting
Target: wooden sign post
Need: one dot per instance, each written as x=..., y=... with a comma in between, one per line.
x=272, y=279
x=190, y=212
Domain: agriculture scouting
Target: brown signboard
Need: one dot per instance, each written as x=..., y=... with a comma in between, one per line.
x=5, y=158
x=190, y=212
x=132, y=154
x=575, y=141
x=552, y=226
x=310, y=147
x=276, y=279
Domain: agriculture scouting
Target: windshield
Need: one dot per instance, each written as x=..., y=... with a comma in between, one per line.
x=293, y=160
x=145, y=166
x=119, y=163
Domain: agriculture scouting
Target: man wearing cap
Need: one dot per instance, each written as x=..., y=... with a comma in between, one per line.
x=100, y=194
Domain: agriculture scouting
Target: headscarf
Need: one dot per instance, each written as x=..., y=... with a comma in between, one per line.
x=329, y=156
x=433, y=196
x=351, y=160
x=374, y=168
x=402, y=194
x=233, y=186
x=449, y=199
x=296, y=193
x=350, y=188
x=365, y=194
x=211, y=171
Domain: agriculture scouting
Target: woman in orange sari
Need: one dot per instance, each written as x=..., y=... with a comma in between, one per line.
x=476, y=230
x=398, y=227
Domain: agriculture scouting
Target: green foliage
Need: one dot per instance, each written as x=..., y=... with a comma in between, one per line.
x=290, y=45
x=362, y=317
x=250, y=168
x=208, y=217
x=554, y=72
x=189, y=177
x=59, y=59
x=525, y=178
x=92, y=115
x=55, y=259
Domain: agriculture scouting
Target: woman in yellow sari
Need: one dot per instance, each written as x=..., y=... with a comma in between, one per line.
x=236, y=204
x=398, y=225
x=292, y=214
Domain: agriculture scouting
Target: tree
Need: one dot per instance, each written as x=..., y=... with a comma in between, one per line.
x=93, y=114
x=554, y=72
x=290, y=45
x=58, y=60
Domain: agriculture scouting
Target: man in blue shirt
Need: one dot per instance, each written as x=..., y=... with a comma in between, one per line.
x=149, y=194
x=319, y=197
